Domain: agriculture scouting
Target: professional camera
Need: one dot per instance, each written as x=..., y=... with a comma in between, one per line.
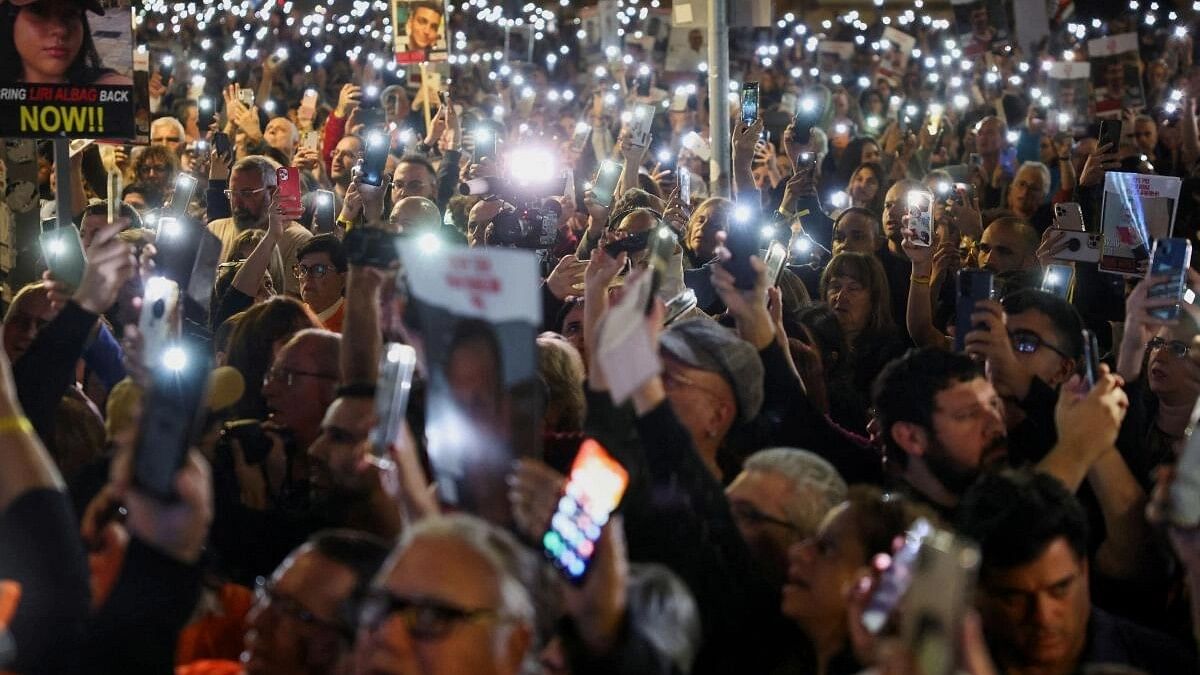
x=256, y=445
x=528, y=225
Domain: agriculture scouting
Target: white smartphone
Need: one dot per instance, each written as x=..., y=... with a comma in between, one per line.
x=160, y=299
x=1068, y=216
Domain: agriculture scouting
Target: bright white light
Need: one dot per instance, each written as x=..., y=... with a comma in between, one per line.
x=175, y=359
x=428, y=244
x=741, y=213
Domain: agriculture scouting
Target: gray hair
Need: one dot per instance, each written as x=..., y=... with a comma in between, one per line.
x=1040, y=168
x=171, y=121
x=816, y=485
x=509, y=561
x=265, y=166
x=665, y=612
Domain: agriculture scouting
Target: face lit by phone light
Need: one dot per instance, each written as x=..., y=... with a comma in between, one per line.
x=413, y=179
x=821, y=571
x=1171, y=378
x=709, y=219
x=857, y=233
x=1028, y=190
x=1043, y=362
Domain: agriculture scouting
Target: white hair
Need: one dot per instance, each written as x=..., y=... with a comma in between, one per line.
x=265, y=166
x=816, y=485
x=1040, y=168
x=171, y=121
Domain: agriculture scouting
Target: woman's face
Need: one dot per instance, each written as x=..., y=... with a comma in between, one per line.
x=48, y=36
x=702, y=231
x=1171, y=376
x=870, y=153
x=821, y=571
x=850, y=301
x=864, y=187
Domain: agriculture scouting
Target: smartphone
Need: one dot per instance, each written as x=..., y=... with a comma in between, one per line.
x=973, y=285
x=185, y=189
x=920, y=216
x=1170, y=257
x=1091, y=358
x=323, y=216
x=894, y=582
x=662, y=247
x=1058, y=280
x=630, y=243
x=485, y=143
x=1080, y=246
x=579, y=140
x=685, y=186
x=396, y=368
x=375, y=158
x=288, y=191
x=246, y=96
x=639, y=126
x=171, y=418
x=749, y=103
x=310, y=140
x=934, y=118
x=802, y=125
x=222, y=144
x=679, y=304
x=775, y=257
x=62, y=249
x=741, y=240
x=643, y=81
x=1110, y=133
x=309, y=100
x=114, y=188
x=1068, y=216
x=943, y=582
x=160, y=302
x=606, y=182
x=594, y=489
x=370, y=247
x=166, y=68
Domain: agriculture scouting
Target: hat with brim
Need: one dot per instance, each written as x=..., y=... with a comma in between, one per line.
x=705, y=344
x=92, y=6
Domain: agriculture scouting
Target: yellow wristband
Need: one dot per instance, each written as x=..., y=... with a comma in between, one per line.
x=919, y=280
x=346, y=223
x=15, y=423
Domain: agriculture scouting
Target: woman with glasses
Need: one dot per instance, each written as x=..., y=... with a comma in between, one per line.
x=1159, y=364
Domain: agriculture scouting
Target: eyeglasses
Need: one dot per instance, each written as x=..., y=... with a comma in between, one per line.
x=1028, y=342
x=317, y=271
x=288, y=376
x=748, y=514
x=410, y=186
x=244, y=194
x=266, y=596
x=165, y=139
x=424, y=618
x=152, y=168
x=673, y=380
x=1177, y=348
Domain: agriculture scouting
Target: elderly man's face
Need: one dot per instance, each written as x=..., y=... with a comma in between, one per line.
x=281, y=135
x=759, y=501
x=165, y=133
x=25, y=319
x=1028, y=191
x=449, y=574
x=248, y=198
x=703, y=401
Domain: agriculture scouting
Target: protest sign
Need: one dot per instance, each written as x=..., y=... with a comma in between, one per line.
x=894, y=55
x=420, y=30
x=1137, y=209
x=477, y=311
x=1068, y=91
x=982, y=26
x=1116, y=74
x=72, y=89
x=686, y=50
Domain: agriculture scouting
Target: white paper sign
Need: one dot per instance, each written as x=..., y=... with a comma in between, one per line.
x=1137, y=209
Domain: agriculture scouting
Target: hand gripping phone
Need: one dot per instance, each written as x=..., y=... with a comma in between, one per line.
x=1170, y=257
x=1058, y=280
x=973, y=285
x=1091, y=358
x=185, y=189
x=288, y=192
x=396, y=369
x=750, y=103
x=62, y=249
x=583, y=131
x=160, y=302
x=639, y=126
x=375, y=158
x=171, y=418
x=920, y=216
x=606, y=182
x=592, y=493
x=1110, y=133
x=662, y=247
x=679, y=304
x=1068, y=216
x=776, y=256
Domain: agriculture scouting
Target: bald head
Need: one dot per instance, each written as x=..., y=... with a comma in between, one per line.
x=415, y=212
x=1009, y=245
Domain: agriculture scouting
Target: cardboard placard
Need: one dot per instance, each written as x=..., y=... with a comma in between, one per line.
x=894, y=58
x=478, y=312
x=420, y=31
x=1116, y=74
x=1068, y=90
x=982, y=26
x=1137, y=209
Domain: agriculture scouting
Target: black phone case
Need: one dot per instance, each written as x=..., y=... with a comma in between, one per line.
x=973, y=286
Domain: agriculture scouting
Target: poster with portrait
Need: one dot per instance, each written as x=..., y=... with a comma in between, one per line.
x=894, y=50
x=686, y=50
x=80, y=86
x=982, y=26
x=477, y=312
x=834, y=57
x=420, y=31
x=1137, y=209
x=1116, y=74
x=1068, y=91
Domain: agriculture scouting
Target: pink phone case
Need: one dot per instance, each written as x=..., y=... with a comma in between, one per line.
x=289, y=189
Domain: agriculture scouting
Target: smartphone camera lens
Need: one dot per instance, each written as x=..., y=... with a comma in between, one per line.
x=159, y=308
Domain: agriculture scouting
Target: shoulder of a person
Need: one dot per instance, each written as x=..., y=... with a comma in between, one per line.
x=1114, y=637
x=297, y=231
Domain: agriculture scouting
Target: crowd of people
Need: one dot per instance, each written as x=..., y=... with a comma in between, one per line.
x=797, y=424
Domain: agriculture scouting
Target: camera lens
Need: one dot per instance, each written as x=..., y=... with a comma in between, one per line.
x=159, y=308
x=1073, y=245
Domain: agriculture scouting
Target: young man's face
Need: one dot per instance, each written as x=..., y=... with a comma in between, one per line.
x=1044, y=360
x=1035, y=615
x=423, y=25
x=968, y=433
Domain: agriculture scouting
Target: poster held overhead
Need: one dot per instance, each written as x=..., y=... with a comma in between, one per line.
x=420, y=30
x=476, y=312
x=1116, y=74
x=1137, y=210
x=982, y=26
x=69, y=91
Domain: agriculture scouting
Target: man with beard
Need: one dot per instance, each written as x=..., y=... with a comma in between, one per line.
x=341, y=170
x=943, y=424
x=252, y=186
